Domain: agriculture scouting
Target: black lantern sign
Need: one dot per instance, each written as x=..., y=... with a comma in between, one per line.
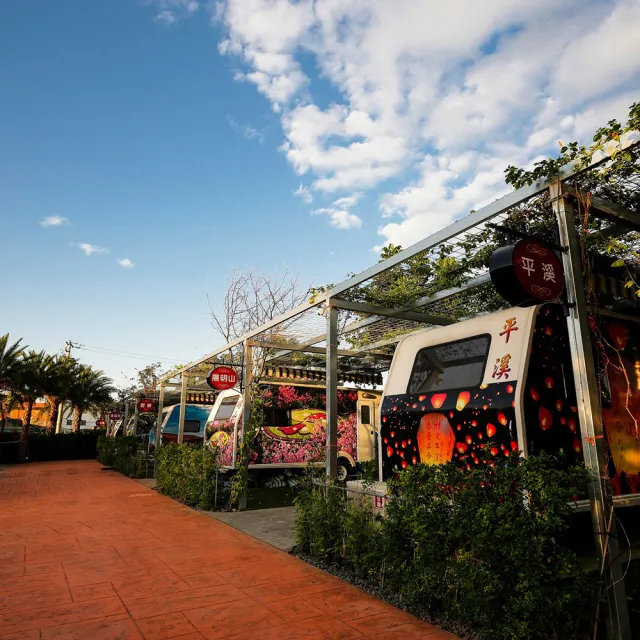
x=527, y=273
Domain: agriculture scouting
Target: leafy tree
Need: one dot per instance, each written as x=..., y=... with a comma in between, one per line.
x=58, y=388
x=10, y=359
x=37, y=370
x=10, y=362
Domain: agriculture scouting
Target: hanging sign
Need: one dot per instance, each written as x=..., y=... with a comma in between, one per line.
x=115, y=415
x=222, y=378
x=146, y=406
x=527, y=273
x=101, y=423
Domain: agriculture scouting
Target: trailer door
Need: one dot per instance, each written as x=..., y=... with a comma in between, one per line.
x=366, y=429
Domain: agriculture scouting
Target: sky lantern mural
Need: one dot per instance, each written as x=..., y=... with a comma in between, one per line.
x=435, y=439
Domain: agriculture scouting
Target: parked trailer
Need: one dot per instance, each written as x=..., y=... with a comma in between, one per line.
x=475, y=391
x=293, y=437
x=195, y=420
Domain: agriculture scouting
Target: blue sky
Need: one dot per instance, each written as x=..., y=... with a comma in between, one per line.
x=175, y=139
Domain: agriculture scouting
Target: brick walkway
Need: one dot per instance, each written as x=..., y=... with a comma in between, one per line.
x=90, y=554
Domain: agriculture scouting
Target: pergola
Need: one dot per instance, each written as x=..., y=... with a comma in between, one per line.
x=338, y=334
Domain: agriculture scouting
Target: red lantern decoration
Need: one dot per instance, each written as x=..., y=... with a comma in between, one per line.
x=619, y=335
x=549, y=382
x=545, y=418
x=389, y=452
x=502, y=419
x=435, y=439
x=491, y=430
x=494, y=451
x=437, y=400
x=461, y=447
x=534, y=394
x=463, y=400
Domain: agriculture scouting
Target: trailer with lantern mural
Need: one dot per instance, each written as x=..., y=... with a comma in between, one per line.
x=482, y=388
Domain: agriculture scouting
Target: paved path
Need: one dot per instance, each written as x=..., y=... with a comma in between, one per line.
x=89, y=554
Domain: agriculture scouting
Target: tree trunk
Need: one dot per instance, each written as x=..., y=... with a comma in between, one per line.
x=77, y=418
x=26, y=420
x=3, y=417
x=54, y=408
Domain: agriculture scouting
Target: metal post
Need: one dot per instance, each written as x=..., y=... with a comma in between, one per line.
x=126, y=419
x=183, y=408
x=332, y=391
x=589, y=412
x=135, y=419
x=246, y=409
x=158, y=430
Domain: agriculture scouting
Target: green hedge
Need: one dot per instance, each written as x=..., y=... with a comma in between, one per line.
x=44, y=446
x=125, y=454
x=80, y=445
x=187, y=473
x=479, y=547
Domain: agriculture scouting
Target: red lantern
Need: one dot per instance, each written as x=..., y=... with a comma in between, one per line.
x=545, y=418
x=461, y=447
x=435, y=430
x=437, y=400
x=463, y=400
x=502, y=419
x=491, y=430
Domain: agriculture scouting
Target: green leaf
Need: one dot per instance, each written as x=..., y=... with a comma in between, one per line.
x=618, y=263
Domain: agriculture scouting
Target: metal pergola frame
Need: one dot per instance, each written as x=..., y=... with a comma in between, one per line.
x=333, y=301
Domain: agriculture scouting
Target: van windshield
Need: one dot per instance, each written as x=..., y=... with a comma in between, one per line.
x=453, y=365
x=225, y=410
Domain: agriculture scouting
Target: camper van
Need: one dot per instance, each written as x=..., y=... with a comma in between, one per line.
x=504, y=382
x=293, y=433
x=195, y=420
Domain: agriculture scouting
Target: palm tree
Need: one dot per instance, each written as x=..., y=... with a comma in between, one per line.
x=10, y=357
x=90, y=389
x=59, y=388
x=35, y=374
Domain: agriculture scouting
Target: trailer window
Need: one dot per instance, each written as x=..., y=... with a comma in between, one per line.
x=365, y=414
x=191, y=426
x=276, y=417
x=226, y=408
x=453, y=365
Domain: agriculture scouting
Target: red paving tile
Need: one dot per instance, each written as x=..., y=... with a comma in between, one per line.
x=91, y=555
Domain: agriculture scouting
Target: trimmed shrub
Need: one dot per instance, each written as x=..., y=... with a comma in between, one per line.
x=480, y=547
x=125, y=454
x=80, y=445
x=187, y=473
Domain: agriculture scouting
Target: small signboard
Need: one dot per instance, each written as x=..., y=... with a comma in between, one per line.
x=146, y=406
x=115, y=415
x=527, y=273
x=222, y=378
x=101, y=423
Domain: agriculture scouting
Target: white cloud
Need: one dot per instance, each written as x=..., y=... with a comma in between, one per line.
x=170, y=11
x=304, y=194
x=126, y=263
x=54, y=221
x=246, y=130
x=339, y=214
x=440, y=97
x=90, y=249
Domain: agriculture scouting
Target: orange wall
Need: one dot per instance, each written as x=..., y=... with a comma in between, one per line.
x=38, y=417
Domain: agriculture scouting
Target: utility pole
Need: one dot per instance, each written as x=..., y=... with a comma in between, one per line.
x=67, y=352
